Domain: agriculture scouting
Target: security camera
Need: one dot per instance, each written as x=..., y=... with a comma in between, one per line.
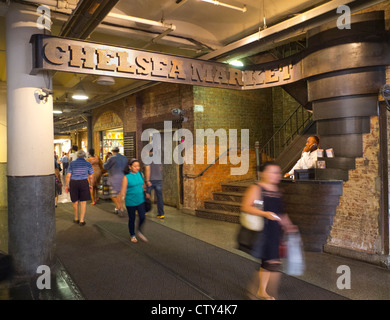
x=385, y=92
x=176, y=112
x=45, y=94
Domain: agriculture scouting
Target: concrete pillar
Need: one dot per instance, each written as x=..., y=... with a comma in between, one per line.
x=30, y=151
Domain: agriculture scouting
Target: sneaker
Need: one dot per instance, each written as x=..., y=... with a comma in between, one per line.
x=142, y=237
x=160, y=217
x=133, y=239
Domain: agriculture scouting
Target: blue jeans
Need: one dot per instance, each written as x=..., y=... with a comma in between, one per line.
x=157, y=186
x=141, y=214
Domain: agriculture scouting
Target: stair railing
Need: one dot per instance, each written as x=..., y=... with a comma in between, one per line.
x=292, y=127
x=208, y=167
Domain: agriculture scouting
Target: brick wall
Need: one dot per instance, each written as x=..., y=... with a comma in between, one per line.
x=355, y=225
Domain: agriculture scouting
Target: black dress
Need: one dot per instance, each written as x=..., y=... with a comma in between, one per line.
x=267, y=245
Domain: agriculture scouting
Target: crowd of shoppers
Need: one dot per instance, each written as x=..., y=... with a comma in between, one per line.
x=129, y=189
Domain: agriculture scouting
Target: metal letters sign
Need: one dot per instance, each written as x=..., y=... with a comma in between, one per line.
x=61, y=54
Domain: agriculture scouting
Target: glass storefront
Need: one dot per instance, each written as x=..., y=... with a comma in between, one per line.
x=110, y=139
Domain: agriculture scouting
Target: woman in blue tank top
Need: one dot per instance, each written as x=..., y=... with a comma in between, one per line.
x=133, y=192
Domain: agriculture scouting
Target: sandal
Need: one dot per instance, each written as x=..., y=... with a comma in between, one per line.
x=82, y=223
x=76, y=221
x=133, y=239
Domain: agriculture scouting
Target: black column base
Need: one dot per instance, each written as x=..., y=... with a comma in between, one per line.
x=31, y=223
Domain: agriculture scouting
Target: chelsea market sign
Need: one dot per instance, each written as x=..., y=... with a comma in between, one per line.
x=62, y=54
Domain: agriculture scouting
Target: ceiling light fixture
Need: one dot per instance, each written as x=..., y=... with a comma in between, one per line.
x=236, y=63
x=105, y=81
x=80, y=94
x=218, y=3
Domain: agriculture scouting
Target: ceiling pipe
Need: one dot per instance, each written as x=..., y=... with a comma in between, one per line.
x=86, y=17
x=142, y=21
x=222, y=4
x=288, y=24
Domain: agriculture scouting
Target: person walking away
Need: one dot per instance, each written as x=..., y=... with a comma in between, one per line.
x=78, y=182
x=275, y=221
x=73, y=153
x=133, y=193
x=97, y=166
x=153, y=175
x=58, y=182
x=65, y=163
x=115, y=166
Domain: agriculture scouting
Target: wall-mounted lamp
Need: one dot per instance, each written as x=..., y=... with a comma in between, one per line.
x=219, y=3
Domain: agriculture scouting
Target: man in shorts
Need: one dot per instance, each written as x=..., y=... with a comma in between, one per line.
x=79, y=179
x=115, y=166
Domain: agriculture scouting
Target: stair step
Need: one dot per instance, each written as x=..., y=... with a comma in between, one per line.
x=223, y=205
x=237, y=186
x=309, y=187
x=218, y=215
x=308, y=199
x=228, y=196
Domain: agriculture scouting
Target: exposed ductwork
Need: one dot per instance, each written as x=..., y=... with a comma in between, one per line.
x=86, y=17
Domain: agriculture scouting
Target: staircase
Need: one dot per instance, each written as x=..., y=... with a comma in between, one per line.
x=312, y=215
x=225, y=205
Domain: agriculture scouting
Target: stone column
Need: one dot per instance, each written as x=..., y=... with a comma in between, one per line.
x=30, y=149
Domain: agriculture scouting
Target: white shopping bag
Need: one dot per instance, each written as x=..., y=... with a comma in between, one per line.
x=295, y=263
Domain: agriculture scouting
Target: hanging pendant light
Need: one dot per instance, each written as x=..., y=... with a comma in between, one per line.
x=80, y=94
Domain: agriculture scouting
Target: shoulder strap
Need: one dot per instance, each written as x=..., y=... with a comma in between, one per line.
x=260, y=191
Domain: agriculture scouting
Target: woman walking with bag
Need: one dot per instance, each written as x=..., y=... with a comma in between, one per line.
x=133, y=194
x=267, y=245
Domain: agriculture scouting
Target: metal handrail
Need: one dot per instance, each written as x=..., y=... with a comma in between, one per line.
x=274, y=146
x=208, y=167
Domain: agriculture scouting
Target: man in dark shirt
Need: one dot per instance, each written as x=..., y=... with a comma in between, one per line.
x=154, y=177
x=116, y=165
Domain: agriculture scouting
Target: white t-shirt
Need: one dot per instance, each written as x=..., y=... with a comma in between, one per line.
x=307, y=161
x=72, y=156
